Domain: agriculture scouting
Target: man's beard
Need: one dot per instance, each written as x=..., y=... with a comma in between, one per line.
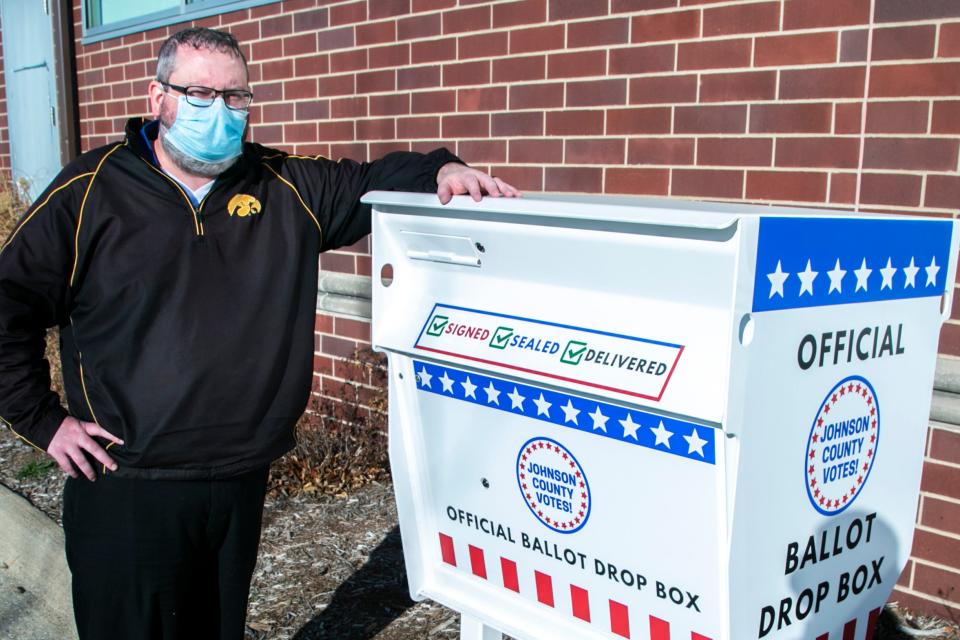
x=185, y=162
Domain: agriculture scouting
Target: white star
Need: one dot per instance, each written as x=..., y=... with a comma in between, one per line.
x=516, y=400
x=887, y=273
x=862, y=274
x=696, y=444
x=424, y=377
x=836, y=278
x=570, y=413
x=543, y=407
x=932, y=272
x=469, y=389
x=910, y=272
x=629, y=427
x=599, y=420
x=493, y=394
x=807, y=276
x=662, y=435
x=777, y=279
x=447, y=382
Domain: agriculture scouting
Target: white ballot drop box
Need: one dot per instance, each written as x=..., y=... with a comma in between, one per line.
x=652, y=419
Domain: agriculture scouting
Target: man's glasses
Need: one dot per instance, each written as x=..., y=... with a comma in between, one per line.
x=236, y=99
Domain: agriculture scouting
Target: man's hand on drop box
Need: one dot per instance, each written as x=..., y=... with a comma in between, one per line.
x=455, y=179
x=72, y=439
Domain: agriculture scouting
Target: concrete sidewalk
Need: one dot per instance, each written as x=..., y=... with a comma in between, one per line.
x=35, y=601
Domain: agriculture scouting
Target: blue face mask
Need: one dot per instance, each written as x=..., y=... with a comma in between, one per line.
x=208, y=134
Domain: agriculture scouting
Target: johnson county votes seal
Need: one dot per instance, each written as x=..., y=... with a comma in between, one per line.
x=553, y=485
x=842, y=445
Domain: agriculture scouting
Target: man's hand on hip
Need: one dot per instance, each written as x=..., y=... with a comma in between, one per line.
x=72, y=439
x=457, y=179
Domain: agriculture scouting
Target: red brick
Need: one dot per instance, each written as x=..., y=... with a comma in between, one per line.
x=941, y=515
x=433, y=50
x=418, y=26
x=897, y=117
x=713, y=119
x=804, y=84
x=946, y=117
x=638, y=121
x=524, y=178
x=593, y=93
x=716, y=54
x=950, y=339
x=598, y=32
x=302, y=21
x=670, y=151
x=746, y=18
x=390, y=105
x=534, y=96
x=388, y=8
x=434, y=101
x=935, y=547
x=339, y=38
x=310, y=110
x=376, y=32
x=624, y=6
x=810, y=14
x=300, y=45
x=637, y=181
x=941, y=583
x=738, y=87
x=482, y=99
x=833, y=152
x=576, y=64
x=735, y=152
x=798, y=49
x=672, y=25
x=924, y=606
x=707, y=183
x=524, y=123
x=594, y=151
x=348, y=13
x=279, y=26
x=537, y=39
x=352, y=107
x=942, y=192
x=300, y=132
x=912, y=80
x=394, y=55
x=898, y=43
x=847, y=117
x=949, y=40
x=483, y=150
x=465, y=126
x=350, y=60
x=673, y=89
x=264, y=50
x=336, y=130
x=337, y=346
x=540, y=151
x=904, y=579
x=945, y=446
x=300, y=89
x=484, y=45
x=519, y=69
x=575, y=123
x=918, y=154
x=573, y=179
x=418, y=127
x=900, y=11
x=635, y=60
x=323, y=323
x=890, y=189
x=280, y=112
x=356, y=329
x=418, y=77
x=786, y=185
x=512, y=14
x=790, y=118
x=462, y=73
x=853, y=45
x=376, y=81
x=572, y=9
x=432, y=5
x=843, y=188
x=470, y=19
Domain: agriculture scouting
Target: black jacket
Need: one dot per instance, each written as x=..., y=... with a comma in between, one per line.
x=187, y=333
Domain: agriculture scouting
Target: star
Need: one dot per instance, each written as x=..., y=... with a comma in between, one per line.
x=662, y=435
x=469, y=389
x=862, y=274
x=543, y=407
x=836, y=278
x=807, y=276
x=424, y=378
x=447, y=382
x=570, y=413
x=629, y=427
x=695, y=443
x=599, y=420
x=887, y=273
x=911, y=272
x=777, y=279
x=516, y=400
x=932, y=272
x=493, y=394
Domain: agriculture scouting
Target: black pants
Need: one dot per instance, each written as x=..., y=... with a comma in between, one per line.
x=162, y=559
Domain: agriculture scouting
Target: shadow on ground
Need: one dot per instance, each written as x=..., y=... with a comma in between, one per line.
x=368, y=601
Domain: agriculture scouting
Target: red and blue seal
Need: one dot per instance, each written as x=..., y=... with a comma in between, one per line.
x=553, y=485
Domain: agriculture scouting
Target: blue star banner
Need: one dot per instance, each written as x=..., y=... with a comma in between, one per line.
x=814, y=262
x=628, y=426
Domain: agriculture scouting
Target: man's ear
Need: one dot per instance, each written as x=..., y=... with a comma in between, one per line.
x=155, y=94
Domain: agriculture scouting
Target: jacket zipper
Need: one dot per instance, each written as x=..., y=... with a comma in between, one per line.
x=83, y=386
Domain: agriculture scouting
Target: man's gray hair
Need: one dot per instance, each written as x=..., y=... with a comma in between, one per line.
x=198, y=38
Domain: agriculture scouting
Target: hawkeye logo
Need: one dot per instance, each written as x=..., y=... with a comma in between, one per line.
x=242, y=205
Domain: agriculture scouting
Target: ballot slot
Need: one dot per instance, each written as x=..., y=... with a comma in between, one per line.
x=433, y=247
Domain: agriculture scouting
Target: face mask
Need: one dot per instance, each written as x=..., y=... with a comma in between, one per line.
x=208, y=134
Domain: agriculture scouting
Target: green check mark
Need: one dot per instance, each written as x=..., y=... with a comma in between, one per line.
x=437, y=325
x=573, y=354
x=501, y=337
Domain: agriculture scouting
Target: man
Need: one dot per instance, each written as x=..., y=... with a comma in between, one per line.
x=181, y=267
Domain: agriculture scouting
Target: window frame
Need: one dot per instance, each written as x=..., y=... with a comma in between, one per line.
x=184, y=13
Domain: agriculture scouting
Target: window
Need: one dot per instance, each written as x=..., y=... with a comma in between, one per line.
x=103, y=19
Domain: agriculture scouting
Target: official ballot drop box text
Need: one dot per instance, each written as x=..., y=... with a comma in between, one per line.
x=615, y=418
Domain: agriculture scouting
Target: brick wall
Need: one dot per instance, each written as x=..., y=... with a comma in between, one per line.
x=4, y=130
x=729, y=100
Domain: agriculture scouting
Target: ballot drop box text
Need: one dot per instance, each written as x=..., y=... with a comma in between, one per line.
x=617, y=418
